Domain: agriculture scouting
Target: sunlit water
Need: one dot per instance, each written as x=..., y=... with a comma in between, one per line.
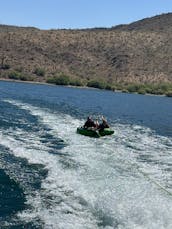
x=51, y=177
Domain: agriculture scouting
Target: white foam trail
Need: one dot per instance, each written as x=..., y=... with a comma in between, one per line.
x=104, y=188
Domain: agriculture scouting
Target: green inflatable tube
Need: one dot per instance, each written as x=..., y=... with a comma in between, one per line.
x=94, y=133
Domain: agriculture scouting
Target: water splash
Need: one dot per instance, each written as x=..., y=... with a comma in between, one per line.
x=96, y=183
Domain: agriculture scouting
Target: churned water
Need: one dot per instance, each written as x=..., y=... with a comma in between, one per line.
x=51, y=177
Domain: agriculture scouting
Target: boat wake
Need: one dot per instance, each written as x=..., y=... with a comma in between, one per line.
x=118, y=181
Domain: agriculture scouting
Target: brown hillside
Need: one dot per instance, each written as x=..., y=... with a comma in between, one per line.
x=139, y=52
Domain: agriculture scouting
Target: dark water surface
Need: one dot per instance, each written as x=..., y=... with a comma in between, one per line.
x=50, y=177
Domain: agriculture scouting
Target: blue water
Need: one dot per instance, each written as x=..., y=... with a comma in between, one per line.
x=51, y=177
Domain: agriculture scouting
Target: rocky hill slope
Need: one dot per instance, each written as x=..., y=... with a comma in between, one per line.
x=140, y=52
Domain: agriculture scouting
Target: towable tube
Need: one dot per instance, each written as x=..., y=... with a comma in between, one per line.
x=94, y=133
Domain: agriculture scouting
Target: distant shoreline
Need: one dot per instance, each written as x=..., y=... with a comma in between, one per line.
x=45, y=83
x=81, y=87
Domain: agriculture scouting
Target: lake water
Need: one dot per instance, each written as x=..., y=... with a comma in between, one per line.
x=51, y=177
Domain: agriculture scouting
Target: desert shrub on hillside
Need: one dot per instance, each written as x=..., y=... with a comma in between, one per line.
x=64, y=80
x=59, y=80
x=76, y=82
x=19, y=76
x=39, y=71
x=169, y=94
x=5, y=66
x=14, y=75
x=96, y=84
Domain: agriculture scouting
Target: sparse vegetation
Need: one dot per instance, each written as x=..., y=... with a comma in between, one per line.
x=130, y=58
x=59, y=80
x=76, y=82
x=64, y=80
x=157, y=89
x=14, y=75
x=39, y=72
x=5, y=67
x=96, y=84
x=19, y=76
x=169, y=93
